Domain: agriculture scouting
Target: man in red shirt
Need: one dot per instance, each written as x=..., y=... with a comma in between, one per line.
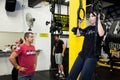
x=27, y=58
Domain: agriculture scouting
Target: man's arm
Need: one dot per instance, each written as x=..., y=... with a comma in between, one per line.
x=12, y=59
x=63, y=51
x=53, y=51
x=35, y=64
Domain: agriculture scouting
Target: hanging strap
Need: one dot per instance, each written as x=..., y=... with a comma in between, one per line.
x=98, y=8
x=79, y=18
x=80, y=9
x=76, y=30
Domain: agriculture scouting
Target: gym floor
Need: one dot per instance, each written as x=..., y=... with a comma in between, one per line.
x=102, y=73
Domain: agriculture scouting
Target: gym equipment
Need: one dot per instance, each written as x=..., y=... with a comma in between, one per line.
x=97, y=6
x=76, y=30
x=103, y=62
x=75, y=45
x=10, y=5
x=54, y=24
x=112, y=41
x=47, y=22
x=29, y=20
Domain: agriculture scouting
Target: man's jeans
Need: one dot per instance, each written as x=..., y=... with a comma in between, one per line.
x=22, y=77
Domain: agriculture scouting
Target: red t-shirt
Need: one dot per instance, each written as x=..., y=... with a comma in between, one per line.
x=26, y=58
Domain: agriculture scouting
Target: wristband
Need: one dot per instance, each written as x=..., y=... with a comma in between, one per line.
x=18, y=67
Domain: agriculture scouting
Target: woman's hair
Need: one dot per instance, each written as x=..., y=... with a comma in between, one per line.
x=102, y=15
x=12, y=47
x=21, y=40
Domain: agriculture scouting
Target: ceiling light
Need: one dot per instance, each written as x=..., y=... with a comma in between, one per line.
x=67, y=0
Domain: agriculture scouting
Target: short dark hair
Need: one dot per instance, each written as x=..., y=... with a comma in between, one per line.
x=21, y=40
x=26, y=35
x=56, y=35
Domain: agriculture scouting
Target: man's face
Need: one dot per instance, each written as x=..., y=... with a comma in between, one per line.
x=56, y=38
x=30, y=38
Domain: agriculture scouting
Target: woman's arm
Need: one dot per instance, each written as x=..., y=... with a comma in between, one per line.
x=101, y=30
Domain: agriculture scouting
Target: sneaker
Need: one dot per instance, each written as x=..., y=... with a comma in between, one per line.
x=57, y=74
x=111, y=70
x=60, y=76
x=63, y=75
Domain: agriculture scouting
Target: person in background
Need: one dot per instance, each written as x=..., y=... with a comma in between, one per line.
x=27, y=58
x=85, y=63
x=115, y=57
x=115, y=53
x=13, y=47
x=58, y=51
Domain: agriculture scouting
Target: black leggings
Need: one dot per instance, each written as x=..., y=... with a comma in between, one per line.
x=14, y=74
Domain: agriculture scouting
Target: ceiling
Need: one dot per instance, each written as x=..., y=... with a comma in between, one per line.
x=111, y=8
x=32, y=3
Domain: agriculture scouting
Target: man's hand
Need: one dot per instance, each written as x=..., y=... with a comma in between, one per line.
x=22, y=69
x=62, y=54
x=53, y=54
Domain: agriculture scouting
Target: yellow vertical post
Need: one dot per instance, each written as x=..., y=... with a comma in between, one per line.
x=75, y=43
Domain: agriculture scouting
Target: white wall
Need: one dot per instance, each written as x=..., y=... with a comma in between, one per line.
x=41, y=15
x=11, y=21
x=15, y=22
